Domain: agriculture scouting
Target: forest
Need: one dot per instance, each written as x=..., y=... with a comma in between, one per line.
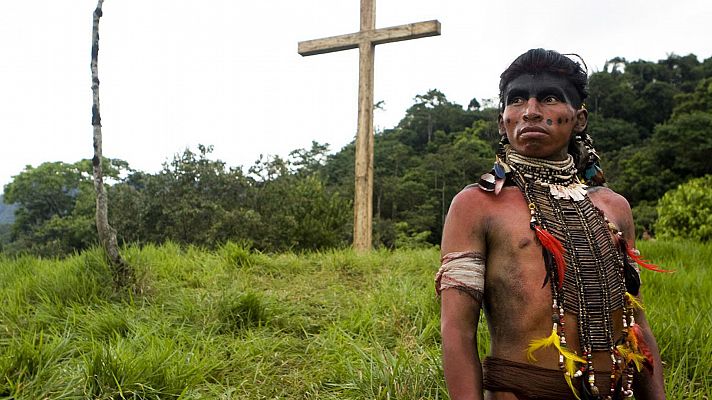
x=651, y=122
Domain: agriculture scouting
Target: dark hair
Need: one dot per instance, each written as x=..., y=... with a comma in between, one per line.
x=536, y=61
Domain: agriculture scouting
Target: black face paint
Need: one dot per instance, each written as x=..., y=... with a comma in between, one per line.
x=567, y=120
x=541, y=86
x=549, y=122
x=559, y=120
x=508, y=120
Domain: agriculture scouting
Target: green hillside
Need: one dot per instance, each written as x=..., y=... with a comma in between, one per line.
x=238, y=324
x=651, y=122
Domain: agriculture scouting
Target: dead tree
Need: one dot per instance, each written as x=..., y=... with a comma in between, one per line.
x=122, y=272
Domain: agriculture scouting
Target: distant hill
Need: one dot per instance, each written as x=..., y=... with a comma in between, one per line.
x=7, y=212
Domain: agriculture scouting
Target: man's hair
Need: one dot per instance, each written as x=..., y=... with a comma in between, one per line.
x=537, y=61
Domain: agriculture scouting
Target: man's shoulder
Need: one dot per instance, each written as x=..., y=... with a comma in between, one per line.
x=474, y=200
x=472, y=193
x=615, y=207
x=608, y=197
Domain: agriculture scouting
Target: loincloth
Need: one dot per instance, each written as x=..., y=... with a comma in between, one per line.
x=530, y=382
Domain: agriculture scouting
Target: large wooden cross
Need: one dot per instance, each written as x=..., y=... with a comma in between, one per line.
x=366, y=40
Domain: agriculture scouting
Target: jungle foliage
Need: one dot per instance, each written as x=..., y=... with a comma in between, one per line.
x=651, y=122
x=687, y=211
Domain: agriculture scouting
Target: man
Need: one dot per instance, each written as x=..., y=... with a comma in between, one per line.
x=549, y=258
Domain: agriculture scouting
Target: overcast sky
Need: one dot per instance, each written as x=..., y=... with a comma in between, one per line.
x=176, y=73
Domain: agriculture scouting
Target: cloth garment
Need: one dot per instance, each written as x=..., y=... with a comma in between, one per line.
x=464, y=271
x=530, y=382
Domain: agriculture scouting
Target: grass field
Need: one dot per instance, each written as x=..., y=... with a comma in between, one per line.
x=232, y=324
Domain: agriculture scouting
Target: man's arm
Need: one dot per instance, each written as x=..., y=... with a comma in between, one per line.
x=461, y=363
x=647, y=385
x=460, y=311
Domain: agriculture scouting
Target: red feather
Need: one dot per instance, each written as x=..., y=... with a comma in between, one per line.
x=643, y=346
x=555, y=248
x=643, y=263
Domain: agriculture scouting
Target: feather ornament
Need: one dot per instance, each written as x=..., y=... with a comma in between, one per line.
x=536, y=344
x=570, y=366
x=642, y=346
x=634, y=302
x=551, y=340
x=633, y=254
x=555, y=248
x=631, y=356
x=570, y=355
x=498, y=185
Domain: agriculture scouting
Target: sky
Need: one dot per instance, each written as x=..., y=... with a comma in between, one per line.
x=226, y=73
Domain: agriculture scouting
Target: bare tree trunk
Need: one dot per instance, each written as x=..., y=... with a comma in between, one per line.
x=123, y=275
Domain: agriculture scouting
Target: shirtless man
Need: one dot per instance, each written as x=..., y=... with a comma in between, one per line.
x=493, y=255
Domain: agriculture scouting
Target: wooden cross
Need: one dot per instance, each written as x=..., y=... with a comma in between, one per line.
x=366, y=40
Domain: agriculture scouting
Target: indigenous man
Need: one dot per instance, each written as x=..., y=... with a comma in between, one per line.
x=548, y=251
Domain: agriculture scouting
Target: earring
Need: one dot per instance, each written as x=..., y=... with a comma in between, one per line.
x=503, y=141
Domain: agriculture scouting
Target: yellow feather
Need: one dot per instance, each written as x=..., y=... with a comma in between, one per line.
x=569, y=355
x=631, y=356
x=571, y=385
x=570, y=367
x=537, y=344
x=634, y=302
x=570, y=371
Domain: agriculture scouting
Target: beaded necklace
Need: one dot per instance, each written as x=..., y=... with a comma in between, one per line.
x=588, y=266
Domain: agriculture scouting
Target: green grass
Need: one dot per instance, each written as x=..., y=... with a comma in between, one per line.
x=235, y=324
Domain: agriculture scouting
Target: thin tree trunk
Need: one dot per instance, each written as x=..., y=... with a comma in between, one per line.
x=122, y=273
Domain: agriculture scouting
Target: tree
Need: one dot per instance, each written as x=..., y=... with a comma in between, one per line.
x=296, y=209
x=40, y=193
x=122, y=272
x=699, y=100
x=474, y=105
x=53, y=214
x=686, y=211
x=188, y=200
x=610, y=134
x=432, y=112
x=677, y=151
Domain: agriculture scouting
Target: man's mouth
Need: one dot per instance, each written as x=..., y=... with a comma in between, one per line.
x=533, y=129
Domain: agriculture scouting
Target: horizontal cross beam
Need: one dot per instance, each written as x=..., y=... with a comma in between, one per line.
x=376, y=36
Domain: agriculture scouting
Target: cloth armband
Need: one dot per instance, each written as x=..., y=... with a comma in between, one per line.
x=464, y=270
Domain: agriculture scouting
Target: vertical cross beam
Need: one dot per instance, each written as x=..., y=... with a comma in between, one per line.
x=366, y=40
x=363, y=176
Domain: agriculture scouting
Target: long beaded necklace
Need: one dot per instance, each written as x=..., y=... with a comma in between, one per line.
x=593, y=285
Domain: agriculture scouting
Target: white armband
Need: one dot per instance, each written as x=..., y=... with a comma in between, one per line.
x=463, y=270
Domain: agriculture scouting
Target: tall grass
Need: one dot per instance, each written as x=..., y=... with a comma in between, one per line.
x=237, y=324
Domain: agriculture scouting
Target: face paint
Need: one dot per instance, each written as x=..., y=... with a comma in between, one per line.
x=532, y=104
x=542, y=87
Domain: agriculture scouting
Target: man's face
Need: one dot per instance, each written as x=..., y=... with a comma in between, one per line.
x=539, y=116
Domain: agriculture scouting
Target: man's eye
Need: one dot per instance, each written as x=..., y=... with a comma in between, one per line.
x=516, y=100
x=551, y=99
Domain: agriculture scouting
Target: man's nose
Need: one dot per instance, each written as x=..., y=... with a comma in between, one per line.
x=532, y=112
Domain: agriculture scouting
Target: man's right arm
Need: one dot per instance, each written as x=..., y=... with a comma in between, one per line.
x=461, y=363
x=460, y=311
